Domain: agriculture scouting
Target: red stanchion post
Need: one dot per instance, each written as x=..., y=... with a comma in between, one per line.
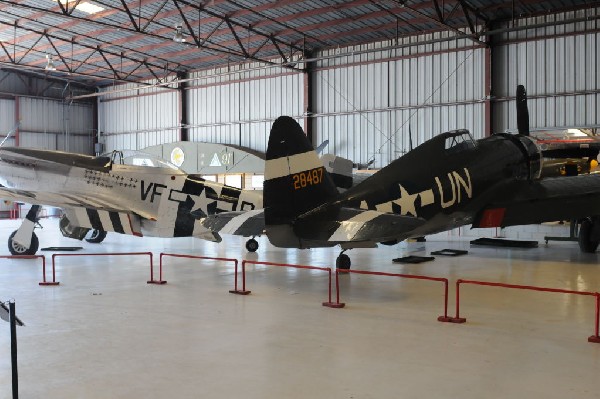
x=243, y=290
x=596, y=338
x=443, y=318
x=54, y=256
x=44, y=282
x=338, y=304
x=160, y=281
x=457, y=319
x=329, y=303
x=43, y=258
x=163, y=254
x=593, y=338
x=244, y=262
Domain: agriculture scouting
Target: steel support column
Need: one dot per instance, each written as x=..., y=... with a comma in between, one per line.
x=488, y=126
x=17, y=119
x=308, y=96
x=183, y=106
x=487, y=76
x=95, y=132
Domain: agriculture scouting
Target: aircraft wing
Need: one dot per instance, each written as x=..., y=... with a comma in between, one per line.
x=355, y=225
x=547, y=200
x=65, y=200
x=247, y=223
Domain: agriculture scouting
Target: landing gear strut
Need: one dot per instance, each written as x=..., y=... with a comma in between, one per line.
x=343, y=262
x=23, y=241
x=588, y=239
x=252, y=245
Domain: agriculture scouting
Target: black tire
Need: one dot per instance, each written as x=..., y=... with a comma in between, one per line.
x=585, y=232
x=17, y=249
x=252, y=245
x=96, y=237
x=343, y=262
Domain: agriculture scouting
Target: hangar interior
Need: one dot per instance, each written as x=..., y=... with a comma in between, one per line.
x=373, y=79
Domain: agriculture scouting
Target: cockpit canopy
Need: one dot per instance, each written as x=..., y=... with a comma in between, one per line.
x=138, y=158
x=458, y=140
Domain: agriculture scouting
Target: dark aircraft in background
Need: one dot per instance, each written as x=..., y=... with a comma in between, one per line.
x=449, y=181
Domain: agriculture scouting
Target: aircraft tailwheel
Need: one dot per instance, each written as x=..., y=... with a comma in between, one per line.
x=252, y=245
x=18, y=249
x=96, y=237
x=343, y=262
x=586, y=244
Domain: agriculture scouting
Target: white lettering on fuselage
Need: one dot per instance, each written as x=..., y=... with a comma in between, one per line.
x=461, y=188
x=456, y=183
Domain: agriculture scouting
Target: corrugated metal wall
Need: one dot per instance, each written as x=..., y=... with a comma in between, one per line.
x=366, y=104
x=559, y=67
x=49, y=124
x=138, y=118
x=229, y=105
x=7, y=120
x=238, y=106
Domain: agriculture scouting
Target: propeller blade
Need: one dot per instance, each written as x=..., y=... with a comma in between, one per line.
x=522, y=111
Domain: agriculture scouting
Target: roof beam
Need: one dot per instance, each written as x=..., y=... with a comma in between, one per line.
x=237, y=38
x=130, y=15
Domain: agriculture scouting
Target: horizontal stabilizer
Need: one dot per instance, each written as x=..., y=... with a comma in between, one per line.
x=356, y=225
x=249, y=223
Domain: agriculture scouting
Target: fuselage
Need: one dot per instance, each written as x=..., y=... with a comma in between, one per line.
x=447, y=180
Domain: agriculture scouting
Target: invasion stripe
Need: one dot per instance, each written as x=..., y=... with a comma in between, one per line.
x=126, y=223
x=116, y=222
x=105, y=220
x=285, y=166
x=235, y=223
x=94, y=219
x=350, y=227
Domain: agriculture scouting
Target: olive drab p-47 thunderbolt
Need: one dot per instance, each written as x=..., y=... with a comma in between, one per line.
x=449, y=181
x=103, y=195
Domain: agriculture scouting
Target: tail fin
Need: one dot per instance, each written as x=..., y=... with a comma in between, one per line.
x=522, y=111
x=295, y=179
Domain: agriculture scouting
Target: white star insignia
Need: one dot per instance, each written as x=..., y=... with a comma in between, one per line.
x=406, y=202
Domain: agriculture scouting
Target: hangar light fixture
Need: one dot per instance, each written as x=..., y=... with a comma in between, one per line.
x=50, y=63
x=85, y=6
x=179, y=38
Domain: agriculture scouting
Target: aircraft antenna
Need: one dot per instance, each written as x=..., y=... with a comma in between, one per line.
x=12, y=131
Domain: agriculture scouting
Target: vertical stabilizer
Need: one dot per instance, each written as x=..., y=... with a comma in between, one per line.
x=295, y=179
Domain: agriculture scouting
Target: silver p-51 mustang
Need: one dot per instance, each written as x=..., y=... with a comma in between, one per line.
x=102, y=194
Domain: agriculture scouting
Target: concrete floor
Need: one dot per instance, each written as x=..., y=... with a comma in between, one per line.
x=105, y=333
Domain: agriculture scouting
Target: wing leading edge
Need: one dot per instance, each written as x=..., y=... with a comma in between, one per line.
x=551, y=199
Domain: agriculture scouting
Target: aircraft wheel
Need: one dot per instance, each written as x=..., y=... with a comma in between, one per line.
x=96, y=237
x=585, y=233
x=252, y=245
x=343, y=262
x=17, y=249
